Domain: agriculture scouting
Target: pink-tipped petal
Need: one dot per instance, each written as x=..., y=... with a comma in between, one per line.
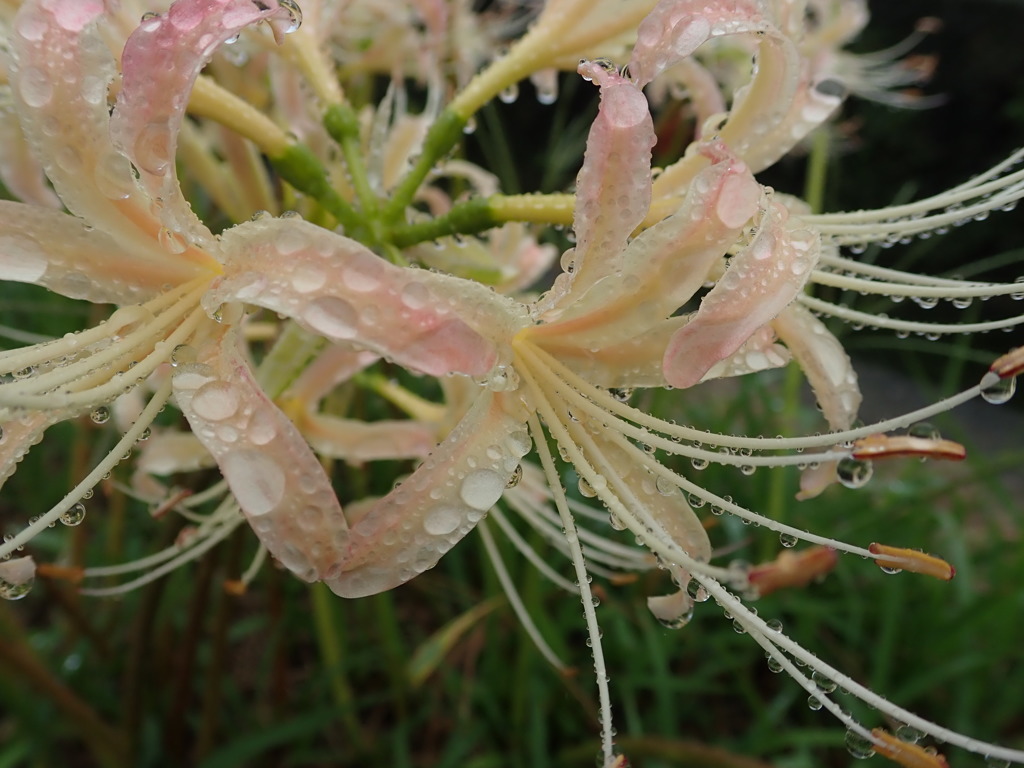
x=758, y=284
x=674, y=29
x=335, y=364
x=160, y=63
x=339, y=289
x=357, y=441
x=19, y=433
x=52, y=249
x=407, y=531
x=824, y=362
x=665, y=265
x=59, y=83
x=613, y=189
x=170, y=452
x=20, y=172
x=276, y=478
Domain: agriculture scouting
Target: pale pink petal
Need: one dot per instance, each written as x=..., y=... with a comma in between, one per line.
x=664, y=266
x=169, y=452
x=613, y=189
x=758, y=284
x=18, y=433
x=161, y=61
x=674, y=29
x=334, y=365
x=59, y=82
x=357, y=441
x=339, y=289
x=20, y=172
x=824, y=362
x=832, y=378
x=758, y=353
x=276, y=478
x=52, y=249
x=407, y=531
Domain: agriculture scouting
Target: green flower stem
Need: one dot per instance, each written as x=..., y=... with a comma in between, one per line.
x=465, y=219
x=300, y=168
x=442, y=136
x=331, y=645
x=481, y=214
x=342, y=124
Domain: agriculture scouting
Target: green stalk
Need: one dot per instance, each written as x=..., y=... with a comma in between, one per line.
x=331, y=645
x=342, y=124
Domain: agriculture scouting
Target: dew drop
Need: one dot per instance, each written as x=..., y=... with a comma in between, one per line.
x=517, y=475
x=774, y=665
x=858, y=746
x=481, y=488
x=100, y=415
x=183, y=354
x=216, y=400
x=442, y=520
x=74, y=516
x=699, y=463
x=814, y=703
x=787, y=540
x=854, y=473
x=586, y=490
x=696, y=591
x=925, y=430
x=331, y=316
x=257, y=481
x=999, y=391
x=17, y=577
x=909, y=734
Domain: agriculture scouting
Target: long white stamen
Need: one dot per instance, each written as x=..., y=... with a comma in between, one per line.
x=589, y=614
x=753, y=622
x=515, y=600
x=529, y=552
x=204, y=545
x=878, y=321
x=111, y=460
x=961, y=290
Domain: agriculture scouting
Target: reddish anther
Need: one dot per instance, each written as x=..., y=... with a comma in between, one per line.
x=905, y=753
x=892, y=446
x=1009, y=364
x=912, y=560
x=792, y=569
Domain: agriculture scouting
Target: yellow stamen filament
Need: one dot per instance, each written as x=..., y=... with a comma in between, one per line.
x=892, y=446
x=904, y=753
x=792, y=569
x=912, y=560
x=210, y=100
x=1009, y=364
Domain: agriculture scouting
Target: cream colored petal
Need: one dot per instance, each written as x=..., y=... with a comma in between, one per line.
x=275, y=476
x=760, y=282
x=339, y=289
x=358, y=441
x=407, y=531
x=60, y=252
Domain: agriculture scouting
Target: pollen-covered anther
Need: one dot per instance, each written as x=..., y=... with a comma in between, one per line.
x=905, y=753
x=792, y=569
x=1010, y=364
x=912, y=560
x=894, y=446
x=71, y=574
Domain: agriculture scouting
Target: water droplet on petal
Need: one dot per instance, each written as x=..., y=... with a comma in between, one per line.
x=442, y=520
x=256, y=480
x=332, y=317
x=481, y=488
x=216, y=400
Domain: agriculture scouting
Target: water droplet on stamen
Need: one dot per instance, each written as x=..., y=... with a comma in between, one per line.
x=100, y=415
x=854, y=473
x=74, y=516
x=1000, y=391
